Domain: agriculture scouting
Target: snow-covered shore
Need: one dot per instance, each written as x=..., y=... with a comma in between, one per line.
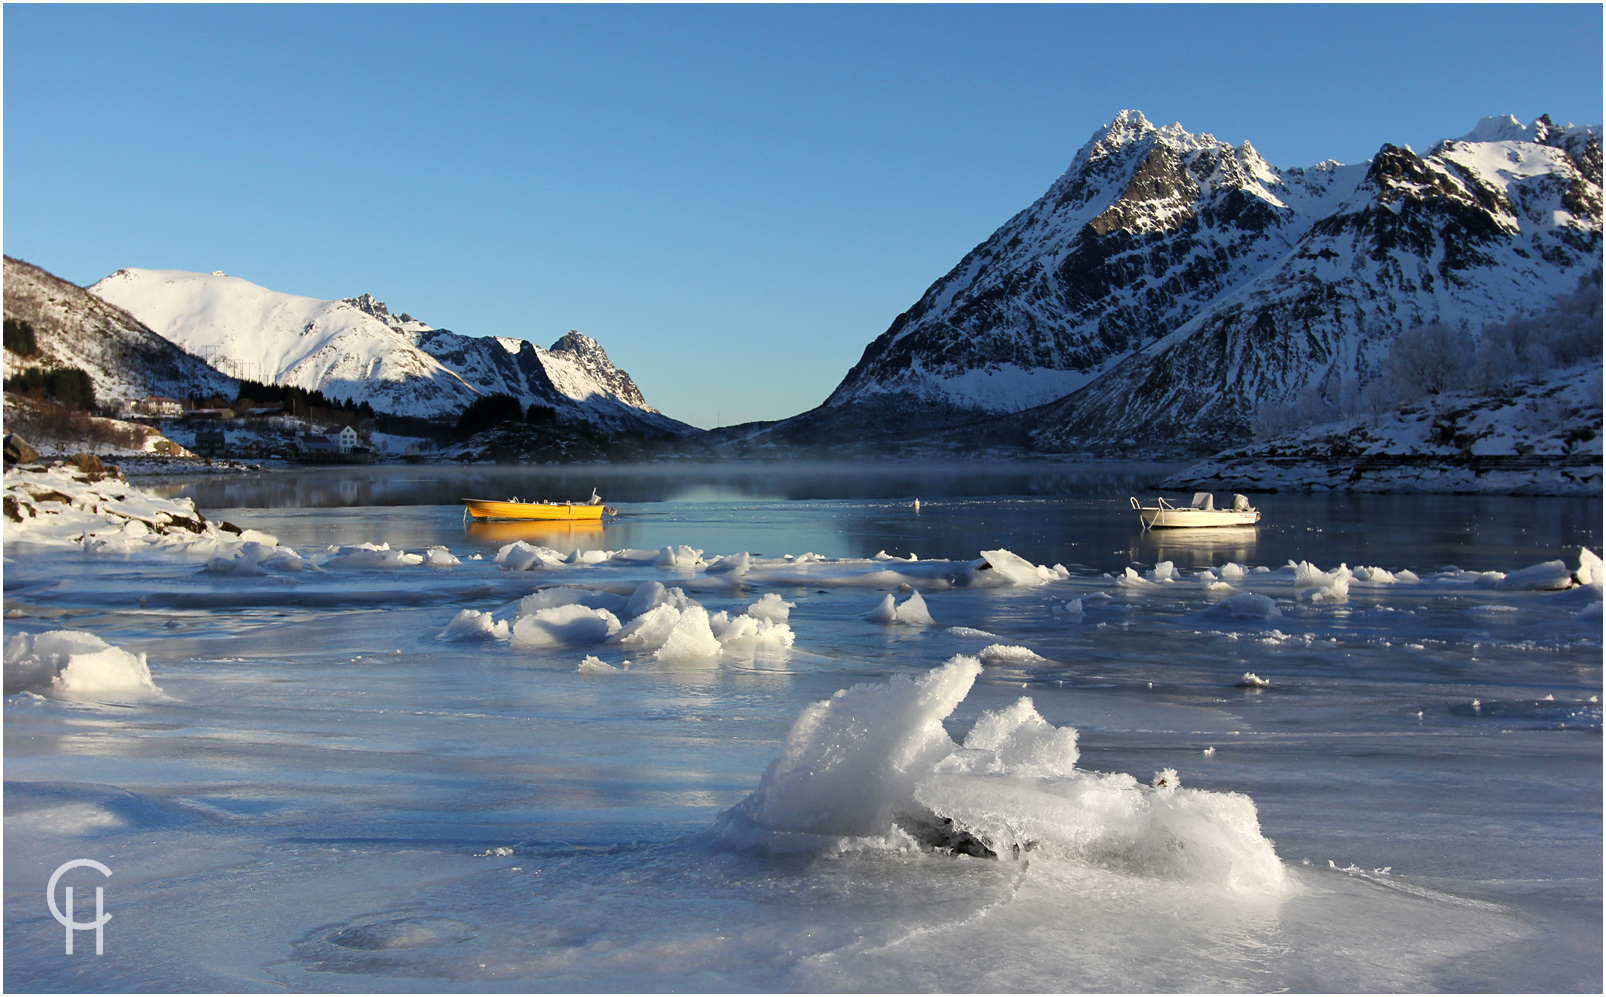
x=1538, y=438
x=65, y=505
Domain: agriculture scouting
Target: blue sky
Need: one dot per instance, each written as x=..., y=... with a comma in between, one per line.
x=733, y=200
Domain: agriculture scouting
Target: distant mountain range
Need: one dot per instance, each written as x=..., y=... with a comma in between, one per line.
x=356, y=348
x=1162, y=290
x=1169, y=283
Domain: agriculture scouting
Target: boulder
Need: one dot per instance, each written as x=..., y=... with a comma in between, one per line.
x=17, y=451
x=86, y=462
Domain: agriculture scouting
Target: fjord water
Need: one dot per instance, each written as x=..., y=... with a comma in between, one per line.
x=327, y=796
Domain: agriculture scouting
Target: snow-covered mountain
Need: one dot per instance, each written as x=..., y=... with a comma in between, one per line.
x=356, y=348
x=123, y=357
x=1169, y=282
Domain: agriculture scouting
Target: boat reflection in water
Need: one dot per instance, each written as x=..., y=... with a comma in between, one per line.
x=564, y=535
x=1198, y=548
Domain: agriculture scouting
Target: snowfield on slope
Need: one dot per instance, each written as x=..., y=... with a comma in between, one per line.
x=356, y=348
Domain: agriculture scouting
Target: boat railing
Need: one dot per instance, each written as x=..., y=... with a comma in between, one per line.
x=1163, y=504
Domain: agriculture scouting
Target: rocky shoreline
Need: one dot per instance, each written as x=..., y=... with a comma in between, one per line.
x=1454, y=474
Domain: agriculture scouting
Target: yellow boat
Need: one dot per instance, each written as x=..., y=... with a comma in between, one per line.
x=543, y=511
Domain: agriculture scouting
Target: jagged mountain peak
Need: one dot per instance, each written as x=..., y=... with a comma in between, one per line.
x=1138, y=177
x=1508, y=128
x=371, y=305
x=1027, y=316
x=1128, y=126
x=1131, y=130
x=593, y=359
x=575, y=341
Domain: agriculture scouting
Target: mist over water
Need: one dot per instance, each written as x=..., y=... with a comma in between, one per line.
x=754, y=779
x=1075, y=514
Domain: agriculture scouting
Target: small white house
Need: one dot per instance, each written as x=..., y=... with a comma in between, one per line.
x=158, y=405
x=347, y=439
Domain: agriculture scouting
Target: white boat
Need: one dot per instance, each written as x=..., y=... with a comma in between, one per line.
x=1203, y=512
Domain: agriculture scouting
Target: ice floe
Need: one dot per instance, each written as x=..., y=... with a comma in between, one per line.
x=690, y=641
x=746, y=636
x=771, y=607
x=911, y=611
x=1551, y=576
x=471, y=624
x=440, y=557
x=1009, y=654
x=77, y=665
x=873, y=767
x=593, y=665
x=1245, y=606
x=368, y=555
x=568, y=625
x=254, y=558
x=664, y=621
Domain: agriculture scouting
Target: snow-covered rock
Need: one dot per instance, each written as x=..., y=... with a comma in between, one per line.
x=100, y=512
x=1538, y=437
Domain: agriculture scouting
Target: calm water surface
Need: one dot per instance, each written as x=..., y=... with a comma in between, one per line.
x=1078, y=515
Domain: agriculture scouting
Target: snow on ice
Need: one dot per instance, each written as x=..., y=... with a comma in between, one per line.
x=619, y=778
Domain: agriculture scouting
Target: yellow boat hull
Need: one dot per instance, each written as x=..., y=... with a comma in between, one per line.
x=543, y=511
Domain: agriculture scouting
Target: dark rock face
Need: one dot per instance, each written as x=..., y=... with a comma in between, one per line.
x=1169, y=283
x=371, y=305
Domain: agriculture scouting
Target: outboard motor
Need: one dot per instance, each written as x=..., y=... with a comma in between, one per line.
x=1240, y=503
